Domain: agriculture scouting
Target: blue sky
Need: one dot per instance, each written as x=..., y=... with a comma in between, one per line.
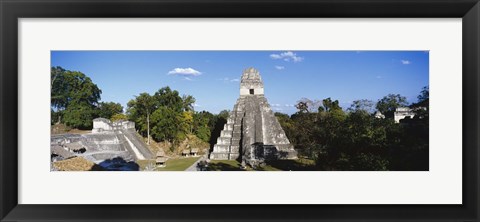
x=212, y=76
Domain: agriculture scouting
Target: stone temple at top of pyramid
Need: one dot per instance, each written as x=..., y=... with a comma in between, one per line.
x=252, y=133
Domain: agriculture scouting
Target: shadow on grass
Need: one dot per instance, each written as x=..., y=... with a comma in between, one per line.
x=224, y=166
x=291, y=165
x=115, y=164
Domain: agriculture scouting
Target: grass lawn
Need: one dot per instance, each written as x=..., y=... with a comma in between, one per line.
x=293, y=165
x=224, y=165
x=277, y=165
x=179, y=164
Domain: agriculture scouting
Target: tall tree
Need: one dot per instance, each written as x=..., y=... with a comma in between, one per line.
x=76, y=89
x=165, y=127
x=169, y=98
x=188, y=103
x=141, y=108
x=329, y=104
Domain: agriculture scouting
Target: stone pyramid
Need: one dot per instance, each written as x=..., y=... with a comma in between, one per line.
x=252, y=133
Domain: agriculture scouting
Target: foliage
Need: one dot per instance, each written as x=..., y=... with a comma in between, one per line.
x=166, y=97
x=421, y=108
x=356, y=140
x=170, y=117
x=118, y=117
x=139, y=111
x=389, y=103
x=79, y=116
x=188, y=103
x=72, y=87
x=201, y=125
x=74, y=97
x=165, y=125
x=108, y=109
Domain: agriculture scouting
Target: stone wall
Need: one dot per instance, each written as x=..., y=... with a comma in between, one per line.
x=102, y=125
x=402, y=113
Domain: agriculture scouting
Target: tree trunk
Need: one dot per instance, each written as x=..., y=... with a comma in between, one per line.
x=148, y=129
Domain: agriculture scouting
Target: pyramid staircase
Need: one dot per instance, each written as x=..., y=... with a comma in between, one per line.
x=228, y=144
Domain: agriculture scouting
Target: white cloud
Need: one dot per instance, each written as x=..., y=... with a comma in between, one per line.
x=405, y=62
x=226, y=79
x=275, y=105
x=289, y=105
x=184, y=72
x=196, y=105
x=287, y=56
x=279, y=67
x=188, y=79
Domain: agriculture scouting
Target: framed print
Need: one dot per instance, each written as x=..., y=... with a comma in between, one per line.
x=310, y=110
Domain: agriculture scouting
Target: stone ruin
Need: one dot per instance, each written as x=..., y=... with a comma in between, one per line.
x=252, y=133
x=108, y=140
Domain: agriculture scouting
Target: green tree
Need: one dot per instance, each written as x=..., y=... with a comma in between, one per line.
x=169, y=98
x=75, y=89
x=201, y=125
x=389, y=103
x=108, y=109
x=79, y=116
x=305, y=134
x=185, y=123
x=165, y=124
x=328, y=104
x=118, y=117
x=140, y=109
x=188, y=103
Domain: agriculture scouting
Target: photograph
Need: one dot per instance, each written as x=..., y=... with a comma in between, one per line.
x=283, y=110
x=278, y=110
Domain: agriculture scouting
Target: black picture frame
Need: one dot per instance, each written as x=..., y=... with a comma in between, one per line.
x=11, y=11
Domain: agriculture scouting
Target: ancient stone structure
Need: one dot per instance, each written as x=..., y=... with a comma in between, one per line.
x=252, y=133
x=401, y=113
x=108, y=140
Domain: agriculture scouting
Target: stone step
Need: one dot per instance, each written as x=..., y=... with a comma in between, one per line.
x=228, y=127
x=219, y=156
x=224, y=140
x=218, y=148
x=226, y=133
